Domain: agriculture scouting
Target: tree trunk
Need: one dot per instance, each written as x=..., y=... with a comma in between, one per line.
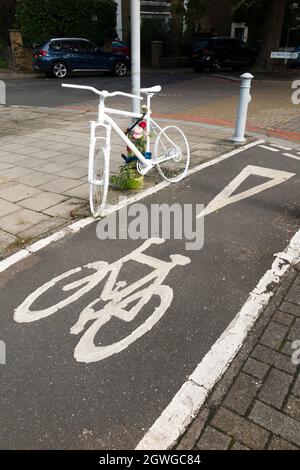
x=177, y=11
x=273, y=23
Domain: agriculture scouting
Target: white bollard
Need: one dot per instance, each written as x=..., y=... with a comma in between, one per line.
x=2, y=92
x=245, y=99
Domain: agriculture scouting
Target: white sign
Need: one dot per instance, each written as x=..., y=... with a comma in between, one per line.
x=284, y=55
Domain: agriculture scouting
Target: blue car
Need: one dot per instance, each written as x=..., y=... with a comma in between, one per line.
x=62, y=56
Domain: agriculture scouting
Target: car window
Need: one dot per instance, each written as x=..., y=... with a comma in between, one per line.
x=225, y=43
x=202, y=44
x=55, y=46
x=86, y=47
x=63, y=46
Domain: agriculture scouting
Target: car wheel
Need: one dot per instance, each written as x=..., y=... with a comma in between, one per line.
x=120, y=69
x=217, y=65
x=59, y=70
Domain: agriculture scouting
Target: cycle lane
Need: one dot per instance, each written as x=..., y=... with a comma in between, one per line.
x=50, y=400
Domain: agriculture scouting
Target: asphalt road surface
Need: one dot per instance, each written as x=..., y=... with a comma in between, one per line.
x=186, y=86
x=51, y=399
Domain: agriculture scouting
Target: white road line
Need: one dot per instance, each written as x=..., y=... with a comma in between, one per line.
x=281, y=147
x=266, y=147
x=173, y=421
x=291, y=156
x=229, y=195
x=76, y=226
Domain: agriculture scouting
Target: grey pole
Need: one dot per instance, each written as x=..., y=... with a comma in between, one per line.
x=135, y=53
x=245, y=98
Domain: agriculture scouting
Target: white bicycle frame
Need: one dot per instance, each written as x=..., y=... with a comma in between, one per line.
x=106, y=121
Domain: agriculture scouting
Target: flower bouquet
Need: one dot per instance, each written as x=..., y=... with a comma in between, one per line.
x=129, y=178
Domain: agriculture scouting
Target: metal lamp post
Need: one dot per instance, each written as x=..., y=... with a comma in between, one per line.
x=135, y=53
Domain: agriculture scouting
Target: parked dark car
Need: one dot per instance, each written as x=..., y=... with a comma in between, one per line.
x=63, y=56
x=295, y=63
x=218, y=53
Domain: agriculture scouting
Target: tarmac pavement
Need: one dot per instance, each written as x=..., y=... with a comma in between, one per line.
x=61, y=391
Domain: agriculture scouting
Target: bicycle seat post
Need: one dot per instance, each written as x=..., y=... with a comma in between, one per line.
x=101, y=108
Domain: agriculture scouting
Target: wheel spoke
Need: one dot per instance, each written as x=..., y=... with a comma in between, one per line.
x=99, y=185
x=172, y=154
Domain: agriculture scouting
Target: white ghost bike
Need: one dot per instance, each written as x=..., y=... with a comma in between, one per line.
x=171, y=154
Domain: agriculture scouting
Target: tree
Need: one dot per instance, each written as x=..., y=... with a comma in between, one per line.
x=273, y=23
x=265, y=19
x=7, y=18
x=43, y=19
x=177, y=15
x=195, y=10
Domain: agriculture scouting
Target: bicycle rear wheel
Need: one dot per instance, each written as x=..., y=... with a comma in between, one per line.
x=99, y=179
x=172, y=154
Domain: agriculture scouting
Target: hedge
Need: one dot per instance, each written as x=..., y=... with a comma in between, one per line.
x=40, y=20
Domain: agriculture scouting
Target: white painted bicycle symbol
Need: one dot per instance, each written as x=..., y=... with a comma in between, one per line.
x=124, y=301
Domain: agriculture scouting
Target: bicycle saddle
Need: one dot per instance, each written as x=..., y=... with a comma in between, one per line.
x=154, y=89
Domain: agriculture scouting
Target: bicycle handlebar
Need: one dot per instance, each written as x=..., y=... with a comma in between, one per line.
x=103, y=93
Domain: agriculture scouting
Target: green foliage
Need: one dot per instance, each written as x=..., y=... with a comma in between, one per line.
x=3, y=64
x=154, y=29
x=40, y=20
x=128, y=178
x=195, y=10
x=252, y=12
x=7, y=19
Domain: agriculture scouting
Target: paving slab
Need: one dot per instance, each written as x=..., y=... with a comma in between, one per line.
x=17, y=192
x=7, y=207
x=59, y=185
x=5, y=240
x=64, y=209
x=21, y=220
x=36, y=179
x=42, y=201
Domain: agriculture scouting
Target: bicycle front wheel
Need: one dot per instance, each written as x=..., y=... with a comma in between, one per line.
x=99, y=181
x=172, y=154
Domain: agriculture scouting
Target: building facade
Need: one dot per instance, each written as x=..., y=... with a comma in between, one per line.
x=149, y=9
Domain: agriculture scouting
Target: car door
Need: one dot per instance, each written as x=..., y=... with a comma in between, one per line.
x=71, y=54
x=96, y=59
x=244, y=55
x=223, y=50
x=82, y=54
x=233, y=52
